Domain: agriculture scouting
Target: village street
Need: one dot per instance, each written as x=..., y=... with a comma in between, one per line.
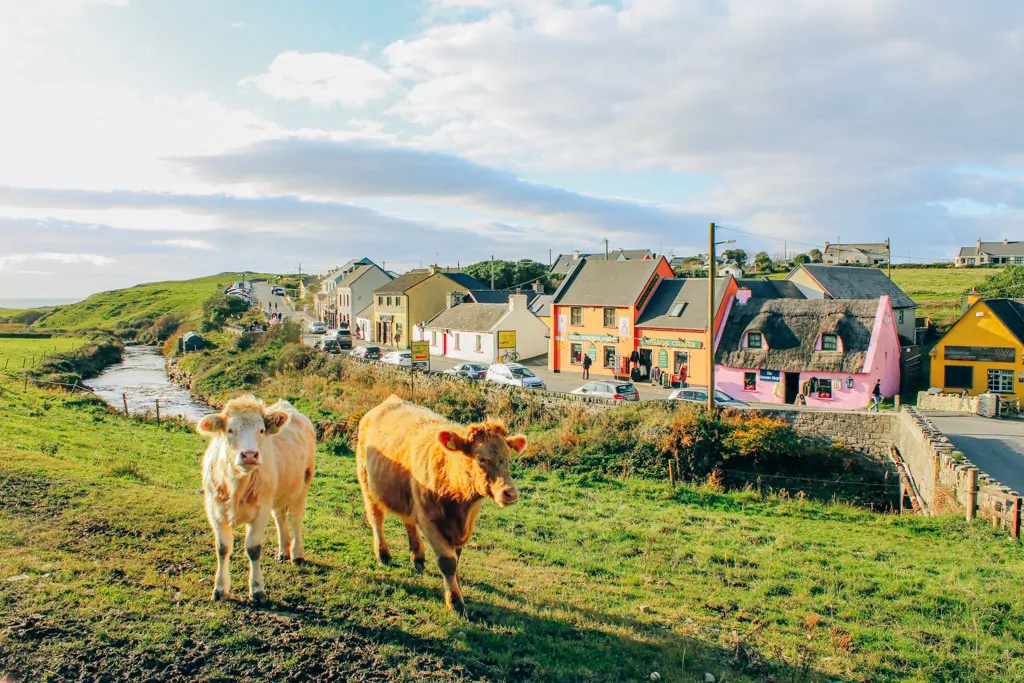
x=996, y=447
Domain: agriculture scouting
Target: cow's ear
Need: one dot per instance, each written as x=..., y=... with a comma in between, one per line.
x=517, y=443
x=211, y=425
x=275, y=420
x=453, y=441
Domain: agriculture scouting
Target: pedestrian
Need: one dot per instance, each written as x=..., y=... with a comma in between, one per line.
x=586, y=366
x=876, y=396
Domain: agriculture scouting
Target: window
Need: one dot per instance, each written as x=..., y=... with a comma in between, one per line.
x=824, y=388
x=959, y=377
x=479, y=343
x=970, y=260
x=829, y=342
x=576, y=354
x=901, y=316
x=576, y=315
x=398, y=301
x=677, y=309
x=754, y=340
x=455, y=336
x=609, y=317
x=389, y=301
x=609, y=356
x=749, y=381
x=433, y=338
x=1018, y=260
x=1000, y=381
x=380, y=301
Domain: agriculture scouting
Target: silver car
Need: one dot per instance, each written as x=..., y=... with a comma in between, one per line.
x=700, y=395
x=619, y=391
x=514, y=374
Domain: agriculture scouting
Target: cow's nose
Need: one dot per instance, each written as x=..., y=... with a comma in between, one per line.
x=510, y=495
x=250, y=457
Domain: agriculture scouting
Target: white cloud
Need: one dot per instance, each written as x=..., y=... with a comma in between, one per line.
x=324, y=79
x=186, y=244
x=238, y=24
x=67, y=259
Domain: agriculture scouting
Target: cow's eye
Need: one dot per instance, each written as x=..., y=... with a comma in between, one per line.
x=262, y=431
x=231, y=431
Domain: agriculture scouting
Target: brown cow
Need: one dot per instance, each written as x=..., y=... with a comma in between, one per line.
x=434, y=474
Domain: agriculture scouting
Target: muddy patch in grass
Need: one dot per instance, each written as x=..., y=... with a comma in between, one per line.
x=32, y=495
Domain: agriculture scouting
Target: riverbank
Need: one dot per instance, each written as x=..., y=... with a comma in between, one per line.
x=141, y=383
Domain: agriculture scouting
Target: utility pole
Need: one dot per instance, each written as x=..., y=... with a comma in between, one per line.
x=785, y=251
x=888, y=256
x=606, y=250
x=492, y=271
x=711, y=318
x=550, y=262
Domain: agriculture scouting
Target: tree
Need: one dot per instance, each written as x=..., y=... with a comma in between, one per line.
x=801, y=259
x=508, y=274
x=762, y=261
x=815, y=255
x=1006, y=283
x=737, y=255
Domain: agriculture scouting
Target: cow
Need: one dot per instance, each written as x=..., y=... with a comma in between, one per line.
x=434, y=474
x=259, y=464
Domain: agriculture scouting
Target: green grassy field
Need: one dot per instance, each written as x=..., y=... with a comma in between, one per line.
x=13, y=352
x=106, y=309
x=106, y=565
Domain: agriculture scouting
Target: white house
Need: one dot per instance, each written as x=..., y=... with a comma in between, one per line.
x=470, y=331
x=364, y=324
x=355, y=291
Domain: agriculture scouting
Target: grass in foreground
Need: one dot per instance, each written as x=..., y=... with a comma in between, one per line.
x=106, y=563
x=14, y=351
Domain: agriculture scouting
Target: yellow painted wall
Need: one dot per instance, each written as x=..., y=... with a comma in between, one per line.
x=978, y=330
x=801, y=277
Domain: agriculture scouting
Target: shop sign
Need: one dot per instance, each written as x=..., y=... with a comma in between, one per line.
x=606, y=338
x=672, y=343
x=771, y=376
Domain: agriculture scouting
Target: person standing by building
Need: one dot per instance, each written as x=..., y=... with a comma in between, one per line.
x=586, y=366
x=876, y=396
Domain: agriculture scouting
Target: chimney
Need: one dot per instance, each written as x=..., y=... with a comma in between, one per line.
x=517, y=302
x=742, y=296
x=538, y=287
x=454, y=299
x=576, y=255
x=979, y=245
x=432, y=270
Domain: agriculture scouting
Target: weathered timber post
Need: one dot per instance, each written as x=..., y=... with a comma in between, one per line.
x=124, y=398
x=672, y=474
x=158, y=411
x=971, y=504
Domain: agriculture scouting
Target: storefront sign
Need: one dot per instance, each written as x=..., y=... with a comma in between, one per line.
x=663, y=359
x=672, y=343
x=606, y=338
x=623, y=327
x=420, y=351
x=979, y=353
x=771, y=376
x=386, y=318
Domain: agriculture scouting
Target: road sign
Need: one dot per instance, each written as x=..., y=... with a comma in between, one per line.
x=507, y=339
x=420, y=351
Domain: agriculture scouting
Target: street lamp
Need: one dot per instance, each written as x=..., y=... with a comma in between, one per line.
x=711, y=313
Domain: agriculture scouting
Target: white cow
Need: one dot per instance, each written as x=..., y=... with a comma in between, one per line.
x=259, y=463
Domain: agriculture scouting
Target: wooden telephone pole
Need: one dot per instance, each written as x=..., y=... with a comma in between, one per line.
x=888, y=257
x=711, y=317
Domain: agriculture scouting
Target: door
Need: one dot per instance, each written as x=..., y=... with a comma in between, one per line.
x=792, y=386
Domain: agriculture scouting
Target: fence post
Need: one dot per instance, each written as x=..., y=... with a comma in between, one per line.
x=971, y=503
x=1015, y=523
x=158, y=411
x=124, y=398
x=672, y=474
x=26, y=382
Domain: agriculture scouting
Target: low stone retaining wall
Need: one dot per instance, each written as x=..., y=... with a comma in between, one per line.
x=986, y=405
x=869, y=434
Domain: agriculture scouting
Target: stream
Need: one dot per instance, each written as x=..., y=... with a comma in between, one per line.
x=142, y=377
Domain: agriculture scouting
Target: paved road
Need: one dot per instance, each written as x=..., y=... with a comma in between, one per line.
x=995, y=446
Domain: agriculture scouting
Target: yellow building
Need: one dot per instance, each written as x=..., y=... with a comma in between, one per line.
x=413, y=299
x=984, y=350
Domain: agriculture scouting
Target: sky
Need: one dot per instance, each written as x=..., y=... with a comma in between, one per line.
x=146, y=140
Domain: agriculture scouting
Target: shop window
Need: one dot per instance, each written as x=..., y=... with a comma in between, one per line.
x=576, y=354
x=609, y=317
x=680, y=362
x=1000, y=381
x=755, y=340
x=479, y=343
x=958, y=377
x=824, y=388
x=749, y=381
x=398, y=302
x=609, y=356
x=576, y=315
x=829, y=342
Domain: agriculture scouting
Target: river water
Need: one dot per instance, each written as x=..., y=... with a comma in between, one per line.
x=142, y=377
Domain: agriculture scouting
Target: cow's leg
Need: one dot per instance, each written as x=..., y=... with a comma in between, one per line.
x=283, y=541
x=448, y=563
x=296, y=514
x=253, y=549
x=416, y=551
x=375, y=517
x=224, y=539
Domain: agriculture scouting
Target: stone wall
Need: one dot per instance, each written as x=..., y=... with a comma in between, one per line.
x=947, y=403
x=870, y=434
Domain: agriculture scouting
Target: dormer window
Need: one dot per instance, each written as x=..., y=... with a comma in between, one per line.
x=677, y=310
x=755, y=340
x=829, y=342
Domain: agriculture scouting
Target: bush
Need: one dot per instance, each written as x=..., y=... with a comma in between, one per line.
x=218, y=309
x=294, y=357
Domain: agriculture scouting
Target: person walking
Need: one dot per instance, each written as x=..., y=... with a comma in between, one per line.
x=876, y=397
x=586, y=366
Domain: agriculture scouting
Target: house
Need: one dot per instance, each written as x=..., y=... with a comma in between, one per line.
x=817, y=281
x=595, y=310
x=338, y=274
x=413, y=298
x=984, y=351
x=364, y=324
x=732, y=269
x=321, y=307
x=189, y=342
x=991, y=254
x=673, y=327
x=829, y=351
x=867, y=254
x=471, y=331
x=355, y=291
x=565, y=262
x=541, y=308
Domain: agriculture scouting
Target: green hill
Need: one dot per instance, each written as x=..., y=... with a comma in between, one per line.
x=104, y=310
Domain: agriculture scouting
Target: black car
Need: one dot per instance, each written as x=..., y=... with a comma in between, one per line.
x=367, y=352
x=331, y=346
x=344, y=338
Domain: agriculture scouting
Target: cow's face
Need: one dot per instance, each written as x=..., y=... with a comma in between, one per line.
x=245, y=433
x=488, y=449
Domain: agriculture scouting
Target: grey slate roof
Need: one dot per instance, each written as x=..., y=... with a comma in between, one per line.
x=541, y=305
x=791, y=328
x=1006, y=248
x=852, y=282
x=402, y=283
x=771, y=289
x=1011, y=313
x=366, y=313
x=355, y=274
x=565, y=262
x=693, y=293
x=467, y=281
x=498, y=296
x=605, y=283
x=469, y=317
x=872, y=248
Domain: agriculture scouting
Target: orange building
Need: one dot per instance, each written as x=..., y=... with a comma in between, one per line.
x=595, y=311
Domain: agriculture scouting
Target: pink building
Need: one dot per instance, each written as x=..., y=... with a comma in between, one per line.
x=829, y=351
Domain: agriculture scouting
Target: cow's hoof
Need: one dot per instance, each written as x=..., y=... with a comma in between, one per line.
x=419, y=564
x=281, y=559
x=459, y=609
x=259, y=598
x=384, y=558
x=219, y=595
x=297, y=561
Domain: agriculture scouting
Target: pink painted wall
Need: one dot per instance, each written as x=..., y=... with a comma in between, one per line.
x=882, y=362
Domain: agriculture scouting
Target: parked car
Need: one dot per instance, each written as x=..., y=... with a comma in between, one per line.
x=277, y=290
x=514, y=374
x=331, y=346
x=344, y=338
x=620, y=391
x=400, y=358
x=700, y=395
x=468, y=370
x=317, y=327
x=367, y=352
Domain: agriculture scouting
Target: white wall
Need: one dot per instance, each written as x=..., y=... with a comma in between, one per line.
x=531, y=337
x=467, y=342
x=531, y=333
